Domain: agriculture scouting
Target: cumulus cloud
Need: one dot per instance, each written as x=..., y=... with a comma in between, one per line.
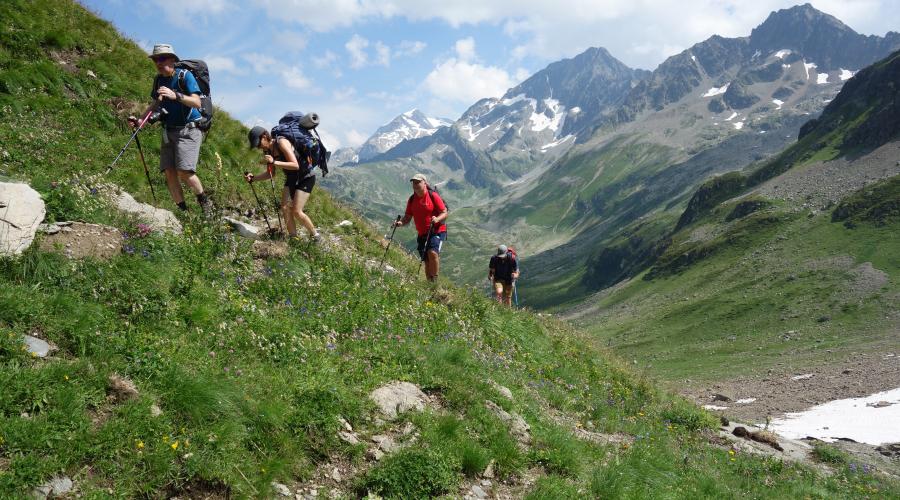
x=409, y=48
x=325, y=60
x=291, y=41
x=356, y=46
x=355, y=137
x=382, y=54
x=465, y=49
x=464, y=82
x=549, y=30
x=221, y=64
x=294, y=78
x=184, y=14
x=261, y=63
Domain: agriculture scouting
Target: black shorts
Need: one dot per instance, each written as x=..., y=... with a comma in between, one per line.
x=294, y=184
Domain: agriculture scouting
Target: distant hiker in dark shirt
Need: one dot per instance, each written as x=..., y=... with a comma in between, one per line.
x=429, y=212
x=280, y=153
x=503, y=271
x=181, y=138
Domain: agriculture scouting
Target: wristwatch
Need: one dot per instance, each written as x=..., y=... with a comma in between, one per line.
x=179, y=96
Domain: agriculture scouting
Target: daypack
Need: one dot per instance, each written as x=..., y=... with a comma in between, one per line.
x=512, y=253
x=300, y=129
x=200, y=71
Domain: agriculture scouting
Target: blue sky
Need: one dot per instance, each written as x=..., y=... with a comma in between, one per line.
x=360, y=63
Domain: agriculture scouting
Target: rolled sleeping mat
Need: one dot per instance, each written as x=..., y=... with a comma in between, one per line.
x=310, y=121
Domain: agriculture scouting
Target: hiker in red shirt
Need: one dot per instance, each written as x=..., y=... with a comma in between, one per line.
x=429, y=212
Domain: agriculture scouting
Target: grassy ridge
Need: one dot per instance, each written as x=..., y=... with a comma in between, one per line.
x=717, y=305
x=252, y=362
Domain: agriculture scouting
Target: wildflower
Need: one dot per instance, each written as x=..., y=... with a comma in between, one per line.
x=731, y=452
x=175, y=445
x=65, y=377
x=139, y=444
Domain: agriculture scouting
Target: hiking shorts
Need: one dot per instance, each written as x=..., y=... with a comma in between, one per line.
x=434, y=244
x=503, y=288
x=180, y=149
x=306, y=184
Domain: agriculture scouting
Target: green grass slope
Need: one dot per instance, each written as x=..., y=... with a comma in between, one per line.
x=246, y=365
x=718, y=302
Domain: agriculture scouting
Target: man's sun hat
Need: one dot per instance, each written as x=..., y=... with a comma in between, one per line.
x=254, y=135
x=418, y=177
x=163, y=49
x=501, y=251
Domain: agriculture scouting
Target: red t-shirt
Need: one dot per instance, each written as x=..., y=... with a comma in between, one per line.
x=423, y=209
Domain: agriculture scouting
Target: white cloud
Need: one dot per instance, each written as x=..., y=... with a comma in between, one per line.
x=356, y=46
x=343, y=94
x=409, y=48
x=382, y=54
x=355, y=137
x=549, y=30
x=294, y=78
x=291, y=41
x=466, y=82
x=261, y=63
x=185, y=14
x=221, y=64
x=465, y=49
x=325, y=60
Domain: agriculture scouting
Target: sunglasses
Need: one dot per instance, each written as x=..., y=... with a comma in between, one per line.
x=161, y=58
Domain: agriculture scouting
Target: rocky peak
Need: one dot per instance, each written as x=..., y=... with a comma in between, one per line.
x=410, y=125
x=819, y=38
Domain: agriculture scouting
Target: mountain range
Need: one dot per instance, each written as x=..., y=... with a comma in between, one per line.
x=410, y=125
x=571, y=163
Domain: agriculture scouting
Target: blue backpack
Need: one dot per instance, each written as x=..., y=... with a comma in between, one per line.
x=300, y=129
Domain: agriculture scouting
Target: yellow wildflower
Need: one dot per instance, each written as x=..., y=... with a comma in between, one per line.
x=175, y=445
x=140, y=445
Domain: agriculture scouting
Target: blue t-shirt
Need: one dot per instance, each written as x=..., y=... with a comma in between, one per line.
x=179, y=114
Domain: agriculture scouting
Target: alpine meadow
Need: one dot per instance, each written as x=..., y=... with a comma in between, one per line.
x=708, y=255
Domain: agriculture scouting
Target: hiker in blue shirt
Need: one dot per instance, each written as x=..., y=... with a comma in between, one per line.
x=181, y=138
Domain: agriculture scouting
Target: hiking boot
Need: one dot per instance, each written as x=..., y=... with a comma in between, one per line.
x=205, y=204
x=316, y=238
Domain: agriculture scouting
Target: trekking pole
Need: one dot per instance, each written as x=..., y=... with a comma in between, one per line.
x=271, y=169
x=425, y=251
x=516, y=293
x=137, y=140
x=261, y=207
x=137, y=129
x=390, y=240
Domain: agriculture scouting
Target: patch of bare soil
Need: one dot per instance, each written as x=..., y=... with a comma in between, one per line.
x=753, y=398
x=77, y=240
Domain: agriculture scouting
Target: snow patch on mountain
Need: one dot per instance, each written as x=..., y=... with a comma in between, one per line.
x=809, y=66
x=822, y=78
x=540, y=121
x=778, y=102
x=782, y=53
x=551, y=145
x=714, y=91
x=738, y=125
x=732, y=117
x=846, y=74
x=519, y=98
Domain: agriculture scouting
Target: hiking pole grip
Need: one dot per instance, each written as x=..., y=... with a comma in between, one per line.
x=122, y=151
